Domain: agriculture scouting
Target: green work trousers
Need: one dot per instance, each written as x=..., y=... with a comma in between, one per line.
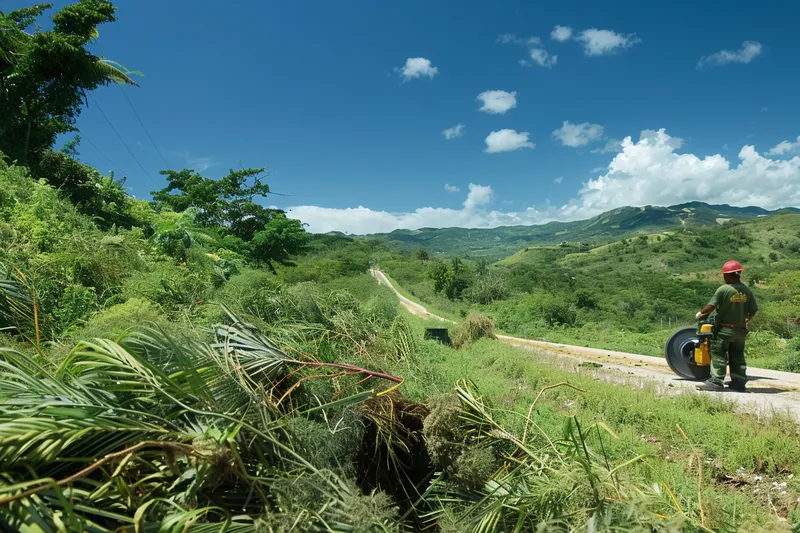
x=728, y=350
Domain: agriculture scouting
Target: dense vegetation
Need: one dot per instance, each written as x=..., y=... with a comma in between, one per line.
x=627, y=295
x=200, y=363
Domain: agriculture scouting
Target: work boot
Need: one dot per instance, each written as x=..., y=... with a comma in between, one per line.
x=710, y=386
x=737, y=386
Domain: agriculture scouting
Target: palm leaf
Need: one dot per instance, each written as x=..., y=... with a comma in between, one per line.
x=16, y=304
x=116, y=72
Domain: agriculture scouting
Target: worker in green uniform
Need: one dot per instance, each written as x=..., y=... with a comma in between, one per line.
x=735, y=306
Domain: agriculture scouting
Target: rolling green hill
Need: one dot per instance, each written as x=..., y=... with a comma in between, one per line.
x=629, y=294
x=624, y=222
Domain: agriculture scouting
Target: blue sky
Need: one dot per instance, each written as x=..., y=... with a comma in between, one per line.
x=315, y=90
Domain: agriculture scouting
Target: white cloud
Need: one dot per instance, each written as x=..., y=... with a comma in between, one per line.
x=785, y=147
x=507, y=141
x=750, y=50
x=497, y=102
x=417, y=67
x=611, y=146
x=558, y=180
x=451, y=188
x=561, y=33
x=478, y=196
x=541, y=57
x=454, y=132
x=649, y=171
x=575, y=135
x=601, y=42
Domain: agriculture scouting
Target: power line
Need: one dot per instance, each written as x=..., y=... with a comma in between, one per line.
x=83, y=136
x=166, y=165
x=122, y=140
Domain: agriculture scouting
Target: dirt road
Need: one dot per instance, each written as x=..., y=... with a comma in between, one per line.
x=769, y=390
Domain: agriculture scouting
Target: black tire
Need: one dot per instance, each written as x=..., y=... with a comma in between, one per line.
x=679, y=353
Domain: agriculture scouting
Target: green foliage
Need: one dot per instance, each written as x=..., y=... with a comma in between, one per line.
x=102, y=198
x=229, y=205
x=44, y=76
x=487, y=289
x=76, y=304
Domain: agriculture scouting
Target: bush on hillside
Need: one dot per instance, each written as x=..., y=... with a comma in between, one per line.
x=117, y=320
x=475, y=326
x=487, y=289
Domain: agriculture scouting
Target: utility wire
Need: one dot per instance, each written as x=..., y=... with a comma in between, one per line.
x=121, y=139
x=83, y=136
x=166, y=165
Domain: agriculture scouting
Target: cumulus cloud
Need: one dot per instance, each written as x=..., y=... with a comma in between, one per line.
x=542, y=58
x=416, y=67
x=453, y=133
x=601, y=42
x=785, y=147
x=451, y=188
x=561, y=33
x=576, y=135
x=650, y=171
x=497, y=102
x=479, y=195
x=507, y=141
x=558, y=180
x=749, y=51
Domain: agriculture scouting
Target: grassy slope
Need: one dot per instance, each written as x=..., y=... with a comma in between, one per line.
x=641, y=289
x=646, y=425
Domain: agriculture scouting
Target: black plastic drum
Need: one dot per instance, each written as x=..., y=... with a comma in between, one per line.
x=680, y=355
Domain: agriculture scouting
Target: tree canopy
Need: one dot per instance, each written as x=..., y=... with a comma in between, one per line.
x=44, y=75
x=229, y=203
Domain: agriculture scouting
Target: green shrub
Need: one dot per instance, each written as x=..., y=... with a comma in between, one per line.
x=136, y=313
x=555, y=312
x=487, y=289
x=761, y=344
x=76, y=304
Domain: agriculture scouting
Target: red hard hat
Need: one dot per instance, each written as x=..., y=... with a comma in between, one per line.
x=732, y=266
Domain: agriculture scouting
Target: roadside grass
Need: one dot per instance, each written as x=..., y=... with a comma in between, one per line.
x=742, y=455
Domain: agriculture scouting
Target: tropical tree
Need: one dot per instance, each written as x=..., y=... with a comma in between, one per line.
x=44, y=75
x=230, y=204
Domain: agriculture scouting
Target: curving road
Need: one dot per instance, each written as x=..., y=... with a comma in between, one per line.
x=769, y=390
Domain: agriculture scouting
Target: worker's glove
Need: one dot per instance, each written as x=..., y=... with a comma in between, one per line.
x=699, y=315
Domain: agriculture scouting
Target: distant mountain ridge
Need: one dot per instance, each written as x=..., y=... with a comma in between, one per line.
x=612, y=225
